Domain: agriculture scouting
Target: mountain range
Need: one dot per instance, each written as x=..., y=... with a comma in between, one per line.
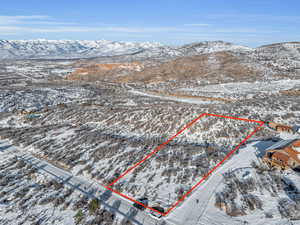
x=37, y=49
x=155, y=62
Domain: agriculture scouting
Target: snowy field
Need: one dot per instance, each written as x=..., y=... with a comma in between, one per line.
x=39, y=98
x=246, y=87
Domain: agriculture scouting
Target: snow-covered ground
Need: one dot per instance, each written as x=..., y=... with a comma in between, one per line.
x=39, y=98
x=179, y=99
x=200, y=207
x=246, y=87
x=82, y=185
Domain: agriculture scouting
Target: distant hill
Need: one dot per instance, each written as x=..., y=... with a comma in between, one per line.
x=212, y=61
x=153, y=62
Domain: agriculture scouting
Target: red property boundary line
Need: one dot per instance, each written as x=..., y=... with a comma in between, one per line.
x=261, y=123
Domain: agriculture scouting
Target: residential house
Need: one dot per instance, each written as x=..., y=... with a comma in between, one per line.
x=280, y=127
x=284, y=154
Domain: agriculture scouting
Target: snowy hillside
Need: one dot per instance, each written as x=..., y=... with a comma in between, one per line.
x=283, y=56
x=210, y=47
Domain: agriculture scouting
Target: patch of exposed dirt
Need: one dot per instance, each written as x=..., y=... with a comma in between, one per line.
x=93, y=72
x=291, y=92
x=218, y=66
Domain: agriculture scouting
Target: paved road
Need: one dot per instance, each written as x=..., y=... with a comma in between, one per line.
x=108, y=199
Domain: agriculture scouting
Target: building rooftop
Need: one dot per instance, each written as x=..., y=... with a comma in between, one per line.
x=281, y=144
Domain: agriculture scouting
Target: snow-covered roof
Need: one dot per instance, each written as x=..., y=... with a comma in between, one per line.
x=296, y=128
x=280, y=144
x=297, y=149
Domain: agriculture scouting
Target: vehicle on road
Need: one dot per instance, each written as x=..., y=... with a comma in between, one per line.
x=159, y=209
x=143, y=201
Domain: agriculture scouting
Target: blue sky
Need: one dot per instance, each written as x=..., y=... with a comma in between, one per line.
x=247, y=22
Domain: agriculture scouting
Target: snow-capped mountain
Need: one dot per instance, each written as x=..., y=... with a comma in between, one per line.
x=69, y=49
x=20, y=49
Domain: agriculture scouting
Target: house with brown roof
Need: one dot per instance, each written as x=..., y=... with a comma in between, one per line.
x=284, y=155
x=280, y=127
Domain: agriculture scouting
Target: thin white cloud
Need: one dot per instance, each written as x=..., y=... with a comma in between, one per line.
x=9, y=20
x=236, y=31
x=196, y=25
x=255, y=17
x=246, y=30
x=47, y=24
x=20, y=30
x=80, y=29
x=30, y=20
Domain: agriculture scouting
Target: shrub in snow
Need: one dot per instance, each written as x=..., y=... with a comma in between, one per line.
x=234, y=209
x=289, y=209
x=126, y=221
x=81, y=203
x=79, y=217
x=277, y=179
x=66, y=205
x=220, y=201
x=246, y=185
x=19, y=194
x=269, y=214
x=4, y=182
x=46, y=200
x=252, y=202
x=254, y=164
x=94, y=204
x=20, y=164
x=2, y=194
x=296, y=198
x=59, y=200
x=102, y=216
